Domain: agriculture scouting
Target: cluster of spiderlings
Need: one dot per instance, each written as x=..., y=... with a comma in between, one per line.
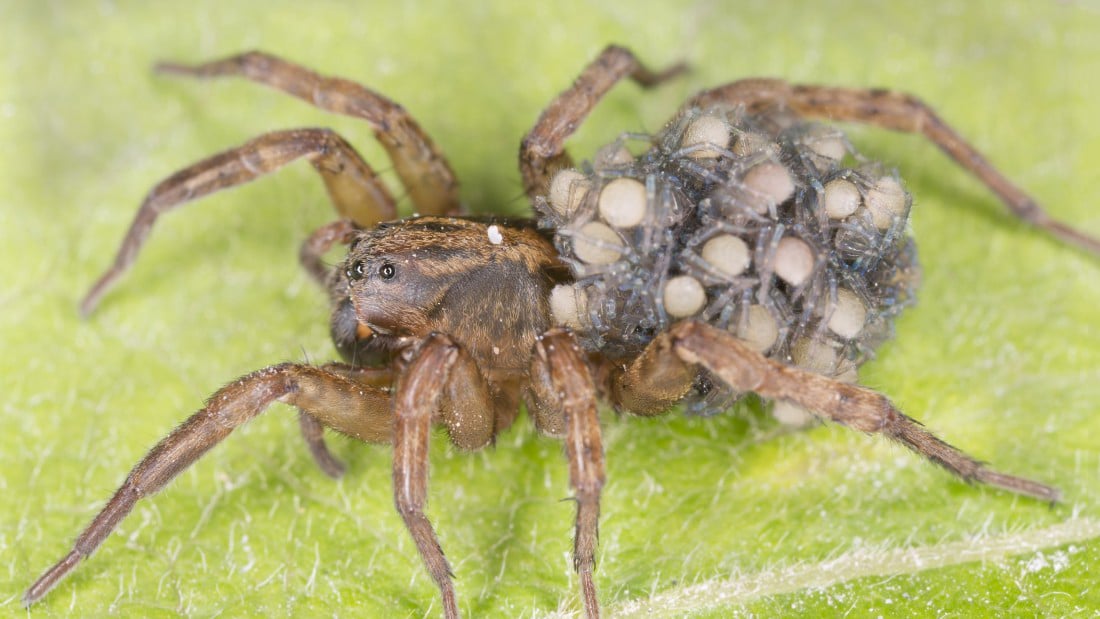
x=762, y=224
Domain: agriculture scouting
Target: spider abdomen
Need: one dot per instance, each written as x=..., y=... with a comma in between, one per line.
x=762, y=224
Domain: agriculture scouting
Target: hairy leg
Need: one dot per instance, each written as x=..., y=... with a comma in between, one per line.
x=313, y=432
x=899, y=112
x=542, y=152
x=419, y=391
x=746, y=371
x=341, y=231
x=376, y=379
x=423, y=169
x=342, y=404
x=653, y=382
x=561, y=365
x=353, y=186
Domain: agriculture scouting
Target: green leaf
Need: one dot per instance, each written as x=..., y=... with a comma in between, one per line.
x=706, y=517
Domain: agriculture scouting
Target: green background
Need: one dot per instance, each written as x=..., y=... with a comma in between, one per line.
x=707, y=517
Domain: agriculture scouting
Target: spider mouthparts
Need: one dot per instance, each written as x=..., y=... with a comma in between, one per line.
x=377, y=329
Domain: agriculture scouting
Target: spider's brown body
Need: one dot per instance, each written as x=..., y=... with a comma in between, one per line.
x=448, y=320
x=492, y=299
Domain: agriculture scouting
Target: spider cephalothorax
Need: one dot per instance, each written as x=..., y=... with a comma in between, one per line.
x=741, y=251
x=435, y=274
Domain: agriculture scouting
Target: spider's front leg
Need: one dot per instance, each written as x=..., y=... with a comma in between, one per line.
x=352, y=184
x=311, y=255
x=351, y=407
x=438, y=378
x=417, y=397
x=746, y=370
x=561, y=385
x=423, y=169
x=378, y=379
x=354, y=188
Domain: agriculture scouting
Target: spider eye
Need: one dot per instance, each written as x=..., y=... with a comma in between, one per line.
x=387, y=271
x=355, y=271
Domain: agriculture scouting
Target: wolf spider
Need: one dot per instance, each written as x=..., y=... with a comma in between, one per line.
x=447, y=320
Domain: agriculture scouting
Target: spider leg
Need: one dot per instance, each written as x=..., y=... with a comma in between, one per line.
x=563, y=383
x=313, y=249
x=352, y=185
x=313, y=432
x=542, y=151
x=378, y=379
x=420, y=164
x=348, y=406
x=862, y=409
x=899, y=112
x=418, y=394
x=438, y=378
x=653, y=382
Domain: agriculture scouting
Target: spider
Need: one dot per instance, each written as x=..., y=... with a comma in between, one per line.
x=744, y=250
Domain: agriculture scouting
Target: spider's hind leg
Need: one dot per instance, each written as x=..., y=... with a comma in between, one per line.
x=542, y=152
x=746, y=370
x=897, y=111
